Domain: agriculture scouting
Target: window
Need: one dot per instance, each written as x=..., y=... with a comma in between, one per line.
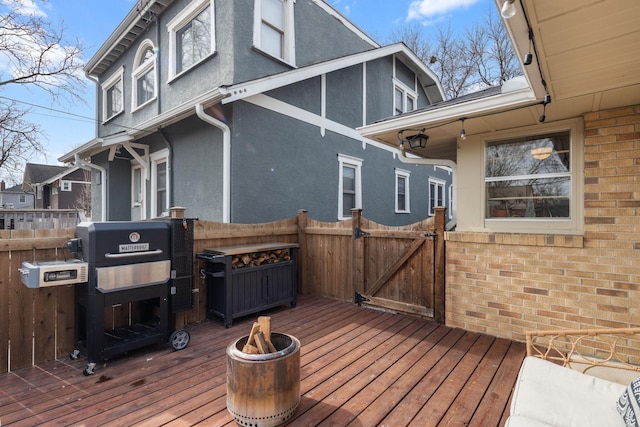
x=529, y=177
x=159, y=183
x=191, y=36
x=350, y=191
x=402, y=191
x=66, y=186
x=144, y=75
x=533, y=180
x=273, y=29
x=23, y=198
x=436, y=194
x=112, y=95
x=404, y=99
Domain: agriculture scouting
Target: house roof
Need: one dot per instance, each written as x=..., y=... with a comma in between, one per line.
x=35, y=174
x=584, y=49
x=139, y=18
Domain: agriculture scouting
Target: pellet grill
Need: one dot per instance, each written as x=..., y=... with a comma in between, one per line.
x=139, y=275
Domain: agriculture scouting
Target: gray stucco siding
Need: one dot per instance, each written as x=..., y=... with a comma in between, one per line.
x=405, y=74
x=345, y=96
x=305, y=94
x=197, y=168
x=379, y=89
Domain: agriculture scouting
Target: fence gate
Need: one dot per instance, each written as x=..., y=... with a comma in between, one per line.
x=400, y=268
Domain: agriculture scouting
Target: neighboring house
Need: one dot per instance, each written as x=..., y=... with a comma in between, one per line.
x=548, y=224
x=15, y=197
x=245, y=111
x=57, y=187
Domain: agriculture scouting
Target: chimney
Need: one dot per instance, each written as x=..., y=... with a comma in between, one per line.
x=3, y=186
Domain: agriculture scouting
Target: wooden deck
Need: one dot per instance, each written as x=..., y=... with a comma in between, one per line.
x=359, y=367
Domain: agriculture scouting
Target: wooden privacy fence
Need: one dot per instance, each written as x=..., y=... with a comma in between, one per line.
x=400, y=268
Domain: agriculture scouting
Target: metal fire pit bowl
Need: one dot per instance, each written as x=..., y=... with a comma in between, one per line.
x=263, y=390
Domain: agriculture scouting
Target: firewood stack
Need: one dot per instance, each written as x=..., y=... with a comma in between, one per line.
x=259, y=341
x=258, y=258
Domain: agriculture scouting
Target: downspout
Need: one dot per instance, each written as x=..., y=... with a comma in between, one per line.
x=454, y=178
x=90, y=166
x=226, y=159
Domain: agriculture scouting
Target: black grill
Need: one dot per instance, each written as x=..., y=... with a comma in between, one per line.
x=139, y=275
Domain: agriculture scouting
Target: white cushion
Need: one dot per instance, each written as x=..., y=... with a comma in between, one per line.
x=520, y=421
x=558, y=396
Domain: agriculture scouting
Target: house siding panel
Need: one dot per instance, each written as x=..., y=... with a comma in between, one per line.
x=558, y=281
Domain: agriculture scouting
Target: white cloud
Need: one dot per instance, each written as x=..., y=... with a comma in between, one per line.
x=434, y=10
x=25, y=7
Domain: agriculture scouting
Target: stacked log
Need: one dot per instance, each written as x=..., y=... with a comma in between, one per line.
x=259, y=341
x=254, y=259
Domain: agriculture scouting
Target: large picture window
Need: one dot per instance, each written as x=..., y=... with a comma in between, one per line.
x=192, y=36
x=529, y=177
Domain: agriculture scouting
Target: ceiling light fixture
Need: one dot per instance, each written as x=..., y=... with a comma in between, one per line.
x=416, y=141
x=463, y=134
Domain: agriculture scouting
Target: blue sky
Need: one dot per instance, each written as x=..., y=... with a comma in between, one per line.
x=92, y=21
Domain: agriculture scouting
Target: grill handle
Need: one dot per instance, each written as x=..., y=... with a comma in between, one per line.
x=133, y=254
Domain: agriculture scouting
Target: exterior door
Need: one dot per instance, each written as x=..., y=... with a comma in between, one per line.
x=137, y=194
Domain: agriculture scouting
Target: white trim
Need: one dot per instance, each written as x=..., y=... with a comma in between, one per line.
x=356, y=164
x=140, y=70
x=143, y=189
x=156, y=158
x=183, y=18
x=265, y=84
x=364, y=93
x=288, y=32
x=438, y=183
x=323, y=103
x=404, y=174
x=112, y=81
x=407, y=93
x=63, y=185
x=305, y=116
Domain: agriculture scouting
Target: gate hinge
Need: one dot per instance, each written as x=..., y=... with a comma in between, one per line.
x=430, y=234
x=360, y=233
x=359, y=299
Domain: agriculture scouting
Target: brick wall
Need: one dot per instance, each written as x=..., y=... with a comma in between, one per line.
x=505, y=284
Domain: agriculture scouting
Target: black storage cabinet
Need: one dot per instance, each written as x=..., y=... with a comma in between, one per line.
x=236, y=292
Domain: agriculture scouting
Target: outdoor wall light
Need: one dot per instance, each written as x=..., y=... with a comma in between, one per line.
x=508, y=9
x=417, y=141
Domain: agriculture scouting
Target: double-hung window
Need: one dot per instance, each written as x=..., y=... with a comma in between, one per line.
x=436, y=194
x=404, y=99
x=112, y=95
x=350, y=185
x=273, y=29
x=159, y=183
x=531, y=181
x=144, y=75
x=402, y=191
x=191, y=36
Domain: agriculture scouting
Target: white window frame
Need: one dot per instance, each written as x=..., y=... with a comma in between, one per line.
x=116, y=78
x=143, y=189
x=65, y=186
x=187, y=15
x=356, y=163
x=435, y=183
x=155, y=159
x=403, y=174
x=288, y=48
x=572, y=225
x=407, y=93
x=140, y=70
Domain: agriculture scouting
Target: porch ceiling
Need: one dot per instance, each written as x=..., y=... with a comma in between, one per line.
x=587, y=52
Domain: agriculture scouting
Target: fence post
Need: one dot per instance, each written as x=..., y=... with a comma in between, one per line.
x=357, y=273
x=439, y=266
x=302, y=252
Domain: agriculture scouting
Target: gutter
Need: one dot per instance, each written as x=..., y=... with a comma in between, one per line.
x=226, y=159
x=454, y=179
x=90, y=166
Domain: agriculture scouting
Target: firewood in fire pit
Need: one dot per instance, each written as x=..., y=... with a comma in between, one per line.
x=259, y=341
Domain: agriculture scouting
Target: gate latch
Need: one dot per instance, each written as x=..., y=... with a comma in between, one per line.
x=360, y=233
